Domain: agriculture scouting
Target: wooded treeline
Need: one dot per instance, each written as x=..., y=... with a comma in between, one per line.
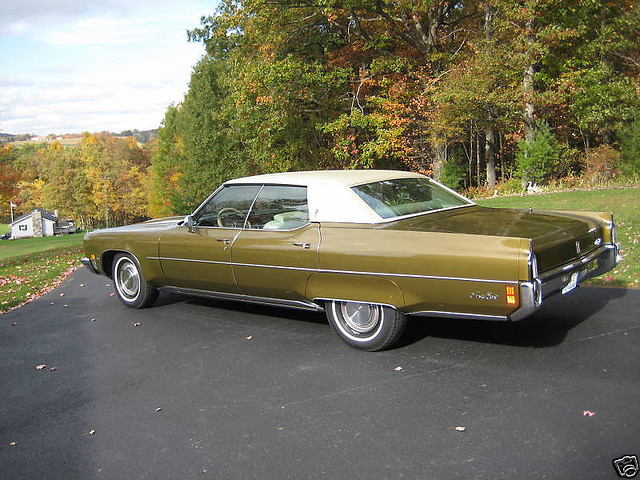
x=471, y=92
x=102, y=181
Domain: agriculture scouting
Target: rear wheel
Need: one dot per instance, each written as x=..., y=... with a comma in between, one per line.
x=131, y=287
x=365, y=326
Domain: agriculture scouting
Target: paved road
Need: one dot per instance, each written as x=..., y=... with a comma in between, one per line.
x=251, y=392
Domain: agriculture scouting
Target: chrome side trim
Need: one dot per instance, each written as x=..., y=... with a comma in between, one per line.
x=323, y=299
x=276, y=302
x=189, y=260
x=470, y=316
x=348, y=272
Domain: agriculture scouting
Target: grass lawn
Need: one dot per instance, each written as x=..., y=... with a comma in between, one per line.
x=4, y=228
x=623, y=202
x=29, y=246
x=32, y=266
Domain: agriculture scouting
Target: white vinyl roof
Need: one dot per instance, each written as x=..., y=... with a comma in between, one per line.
x=329, y=191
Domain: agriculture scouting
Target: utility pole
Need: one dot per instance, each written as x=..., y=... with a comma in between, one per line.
x=11, y=205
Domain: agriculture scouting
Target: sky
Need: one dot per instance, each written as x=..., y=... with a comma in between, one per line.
x=69, y=66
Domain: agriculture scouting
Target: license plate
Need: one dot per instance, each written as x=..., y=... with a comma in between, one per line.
x=573, y=283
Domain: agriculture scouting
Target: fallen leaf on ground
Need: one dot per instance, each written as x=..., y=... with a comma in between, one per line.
x=136, y=324
x=112, y=294
x=588, y=413
x=460, y=429
x=14, y=324
x=53, y=369
x=41, y=367
x=398, y=368
x=62, y=294
x=249, y=337
x=82, y=285
x=159, y=409
x=13, y=444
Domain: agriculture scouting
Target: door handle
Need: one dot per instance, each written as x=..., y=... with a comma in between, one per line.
x=226, y=241
x=306, y=246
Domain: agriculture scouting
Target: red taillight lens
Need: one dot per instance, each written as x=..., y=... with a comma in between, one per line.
x=511, y=295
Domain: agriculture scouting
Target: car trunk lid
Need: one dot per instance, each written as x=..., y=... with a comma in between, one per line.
x=557, y=238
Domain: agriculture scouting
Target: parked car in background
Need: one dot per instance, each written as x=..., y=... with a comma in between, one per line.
x=368, y=247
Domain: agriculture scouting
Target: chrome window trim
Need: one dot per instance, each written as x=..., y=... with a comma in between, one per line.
x=348, y=272
x=412, y=215
x=277, y=230
x=246, y=219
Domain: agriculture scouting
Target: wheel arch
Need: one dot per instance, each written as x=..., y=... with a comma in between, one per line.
x=108, y=256
x=322, y=287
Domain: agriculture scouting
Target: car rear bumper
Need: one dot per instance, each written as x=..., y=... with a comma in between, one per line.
x=564, y=278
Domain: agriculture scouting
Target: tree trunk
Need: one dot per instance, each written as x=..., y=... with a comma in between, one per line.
x=441, y=158
x=478, y=160
x=529, y=87
x=489, y=140
x=489, y=156
x=502, y=170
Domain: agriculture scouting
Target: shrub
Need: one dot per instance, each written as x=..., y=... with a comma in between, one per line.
x=453, y=174
x=630, y=147
x=535, y=159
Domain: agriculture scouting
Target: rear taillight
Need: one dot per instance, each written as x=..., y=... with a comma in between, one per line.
x=510, y=291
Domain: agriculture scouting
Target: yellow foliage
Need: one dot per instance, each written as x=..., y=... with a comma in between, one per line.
x=55, y=146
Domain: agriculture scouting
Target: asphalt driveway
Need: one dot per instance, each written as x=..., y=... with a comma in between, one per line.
x=204, y=389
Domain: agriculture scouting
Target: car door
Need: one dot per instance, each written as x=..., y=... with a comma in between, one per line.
x=199, y=256
x=277, y=251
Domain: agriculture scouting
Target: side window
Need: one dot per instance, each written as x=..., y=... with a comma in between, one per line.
x=279, y=207
x=227, y=208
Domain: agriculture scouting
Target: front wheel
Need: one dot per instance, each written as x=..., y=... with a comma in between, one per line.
x=131, y=287
x=365, y=326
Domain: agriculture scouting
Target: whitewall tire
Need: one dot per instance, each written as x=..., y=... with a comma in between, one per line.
x=131, y=287
x=365, y=326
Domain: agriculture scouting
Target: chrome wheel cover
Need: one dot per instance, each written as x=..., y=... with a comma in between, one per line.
x=361, y=318
x=128, y=279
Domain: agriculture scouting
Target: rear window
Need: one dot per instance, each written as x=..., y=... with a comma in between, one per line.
x=407, y=196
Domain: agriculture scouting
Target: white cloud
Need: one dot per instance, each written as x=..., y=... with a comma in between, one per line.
x=111, y=67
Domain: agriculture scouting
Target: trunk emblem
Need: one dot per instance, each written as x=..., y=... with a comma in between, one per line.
x=597, y=242
x=578, y=248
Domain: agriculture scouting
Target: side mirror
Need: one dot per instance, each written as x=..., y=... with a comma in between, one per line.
x=190, y=222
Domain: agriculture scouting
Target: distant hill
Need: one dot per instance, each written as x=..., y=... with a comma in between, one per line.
x=72, y=139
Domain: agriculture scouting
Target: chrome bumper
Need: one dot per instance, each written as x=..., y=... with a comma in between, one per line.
x=89, y=264
x=595, y=263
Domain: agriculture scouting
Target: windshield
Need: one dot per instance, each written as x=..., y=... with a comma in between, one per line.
x=407, y=196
